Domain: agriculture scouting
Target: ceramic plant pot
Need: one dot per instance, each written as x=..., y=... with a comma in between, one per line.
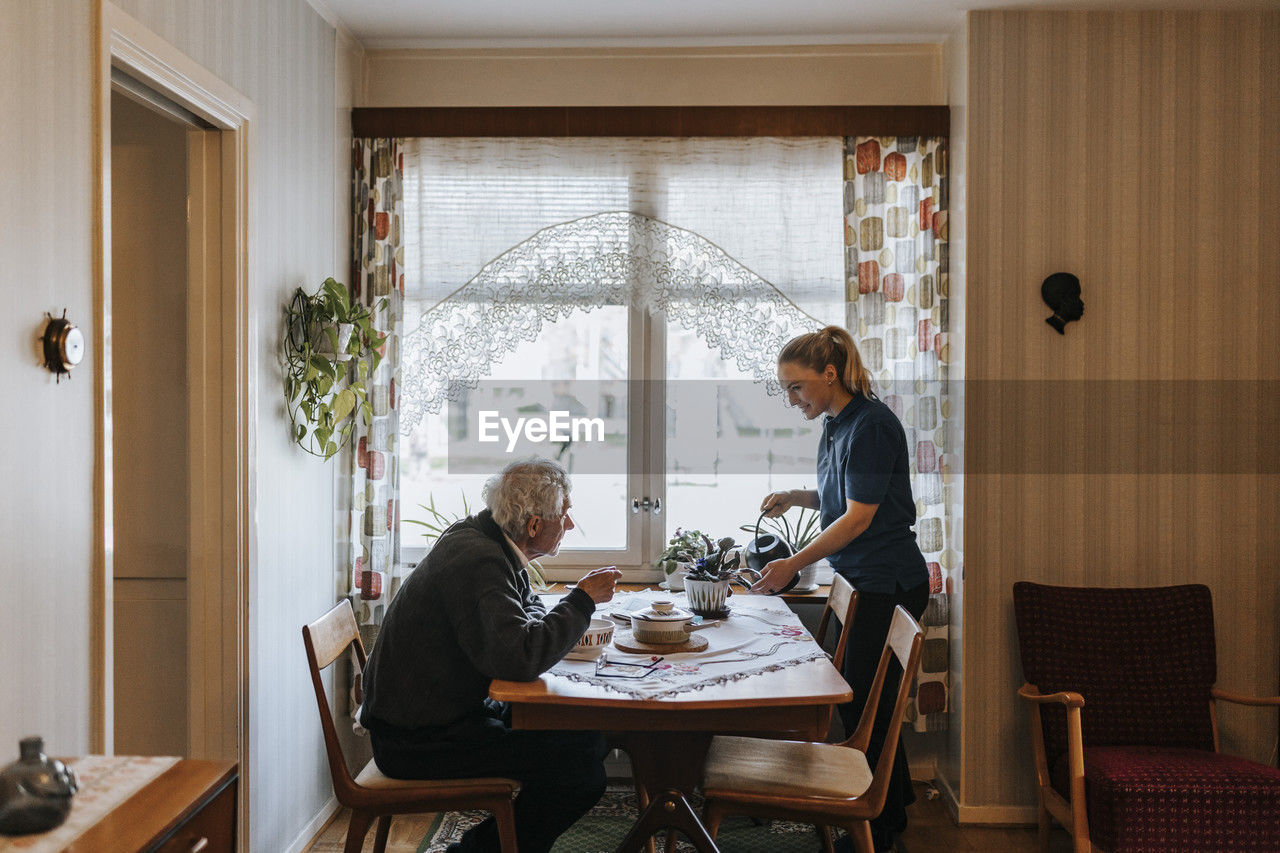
x=706, y=597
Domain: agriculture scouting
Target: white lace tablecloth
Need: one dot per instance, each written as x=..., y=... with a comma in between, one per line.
x=106, y=781
x=761, y=634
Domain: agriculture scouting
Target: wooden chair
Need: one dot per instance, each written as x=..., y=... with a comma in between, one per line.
x=1123, y=730
x=820, y=783
x=372, y=795
x=842, y=604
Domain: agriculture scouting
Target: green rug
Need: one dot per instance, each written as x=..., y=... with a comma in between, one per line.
x=601, y=829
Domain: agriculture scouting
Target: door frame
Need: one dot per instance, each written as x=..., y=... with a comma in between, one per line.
x=221, y=365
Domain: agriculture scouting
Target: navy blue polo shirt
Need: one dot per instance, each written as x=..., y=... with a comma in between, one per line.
x=862, y=456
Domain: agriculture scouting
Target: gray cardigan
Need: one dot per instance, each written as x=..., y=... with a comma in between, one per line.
x=465, y=616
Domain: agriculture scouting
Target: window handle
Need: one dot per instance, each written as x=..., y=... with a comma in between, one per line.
x=654, y=506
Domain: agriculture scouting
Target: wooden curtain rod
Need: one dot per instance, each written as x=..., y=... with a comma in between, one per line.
x=374, y=122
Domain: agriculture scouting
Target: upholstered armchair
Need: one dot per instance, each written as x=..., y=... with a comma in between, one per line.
x=1120, y=687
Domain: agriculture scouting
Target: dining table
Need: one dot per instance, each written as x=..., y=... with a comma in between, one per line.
x=761, y=674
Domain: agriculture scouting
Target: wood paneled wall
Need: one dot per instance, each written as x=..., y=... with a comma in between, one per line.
x=1140, y=151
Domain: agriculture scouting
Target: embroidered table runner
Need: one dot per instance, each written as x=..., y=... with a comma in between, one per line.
x=761, y=634
x=106, y=781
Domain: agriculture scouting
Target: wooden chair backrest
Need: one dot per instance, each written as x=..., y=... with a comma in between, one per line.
x=842, y=603
x=326, y=639
x=904, y=642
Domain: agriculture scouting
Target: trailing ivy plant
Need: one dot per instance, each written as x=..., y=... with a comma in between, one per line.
x=331, y=350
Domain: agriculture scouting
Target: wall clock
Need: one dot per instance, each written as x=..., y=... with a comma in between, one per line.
x=63, y=345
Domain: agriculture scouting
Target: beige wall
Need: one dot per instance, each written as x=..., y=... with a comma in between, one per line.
x=281, y=55
x=1139, y=151
x=840, y=74
x=48, y=439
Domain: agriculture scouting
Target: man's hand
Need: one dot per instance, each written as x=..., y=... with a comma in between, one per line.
x=600, y=583
x=776, y=503
x=776, y=575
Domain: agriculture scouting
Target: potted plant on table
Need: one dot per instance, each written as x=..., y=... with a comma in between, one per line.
x=708, y=584
x=331, y=350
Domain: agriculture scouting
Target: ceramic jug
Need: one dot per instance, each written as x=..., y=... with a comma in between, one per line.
x=35, y=791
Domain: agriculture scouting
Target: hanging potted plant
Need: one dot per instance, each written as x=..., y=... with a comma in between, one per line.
x=331, y=351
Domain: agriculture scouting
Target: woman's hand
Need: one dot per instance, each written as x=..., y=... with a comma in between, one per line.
x=775, y=576
x=776, y=503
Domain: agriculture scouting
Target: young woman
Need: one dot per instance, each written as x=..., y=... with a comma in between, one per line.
x=864, y=498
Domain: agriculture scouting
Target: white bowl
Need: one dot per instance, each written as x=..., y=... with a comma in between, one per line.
x=593, y=641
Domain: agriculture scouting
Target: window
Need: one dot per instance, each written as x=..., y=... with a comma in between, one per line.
x=667, y=400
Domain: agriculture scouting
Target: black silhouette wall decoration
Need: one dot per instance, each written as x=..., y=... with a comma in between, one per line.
x=1061, y=292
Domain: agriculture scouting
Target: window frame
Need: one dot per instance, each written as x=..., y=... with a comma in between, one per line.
x=645, y=529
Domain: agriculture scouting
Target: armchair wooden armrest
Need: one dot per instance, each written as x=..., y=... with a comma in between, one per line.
x=1069, y=812
x=1216, y=693
x=1067, y=697
x=1241, y=699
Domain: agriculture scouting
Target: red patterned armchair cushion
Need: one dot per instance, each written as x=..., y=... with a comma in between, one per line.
x=1144, y=799
x=1143, y=659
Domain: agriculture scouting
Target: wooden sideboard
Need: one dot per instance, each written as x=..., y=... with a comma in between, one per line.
x=189, y=808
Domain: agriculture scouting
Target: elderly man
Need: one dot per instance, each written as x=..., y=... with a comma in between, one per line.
x=465, y=616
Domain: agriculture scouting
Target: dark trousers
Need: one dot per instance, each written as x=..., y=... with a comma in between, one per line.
x=866, y=642
x=561, y=775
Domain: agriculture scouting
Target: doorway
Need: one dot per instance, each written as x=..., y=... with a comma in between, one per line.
x=172, y=408
x=150, y=437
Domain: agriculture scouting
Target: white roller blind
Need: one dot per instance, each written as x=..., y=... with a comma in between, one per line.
x=772, y=204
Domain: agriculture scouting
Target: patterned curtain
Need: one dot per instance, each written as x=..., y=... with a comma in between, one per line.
x=377, y=264
x=896, y=273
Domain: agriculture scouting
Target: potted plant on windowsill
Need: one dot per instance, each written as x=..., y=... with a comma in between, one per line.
x=331, y=349
x=438, y=522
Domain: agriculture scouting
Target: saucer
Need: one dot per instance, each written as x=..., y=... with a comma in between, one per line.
x=801, y=589
x=584, y=654
x=665, y=584
x=722, y=613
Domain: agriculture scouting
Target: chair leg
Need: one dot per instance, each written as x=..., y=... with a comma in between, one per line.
x=642, y=801
x=505, y=815
x=827, y=837
x=860, y=832
x=380, y=838
x=357, y=829
x=1045, y=829
x=712, y=816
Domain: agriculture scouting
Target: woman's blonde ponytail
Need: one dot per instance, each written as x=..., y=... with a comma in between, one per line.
x=834, y=346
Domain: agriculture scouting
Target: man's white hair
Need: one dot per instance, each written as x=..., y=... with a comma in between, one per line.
x=524, y=489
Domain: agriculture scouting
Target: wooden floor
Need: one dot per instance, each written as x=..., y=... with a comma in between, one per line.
x=930, y=831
